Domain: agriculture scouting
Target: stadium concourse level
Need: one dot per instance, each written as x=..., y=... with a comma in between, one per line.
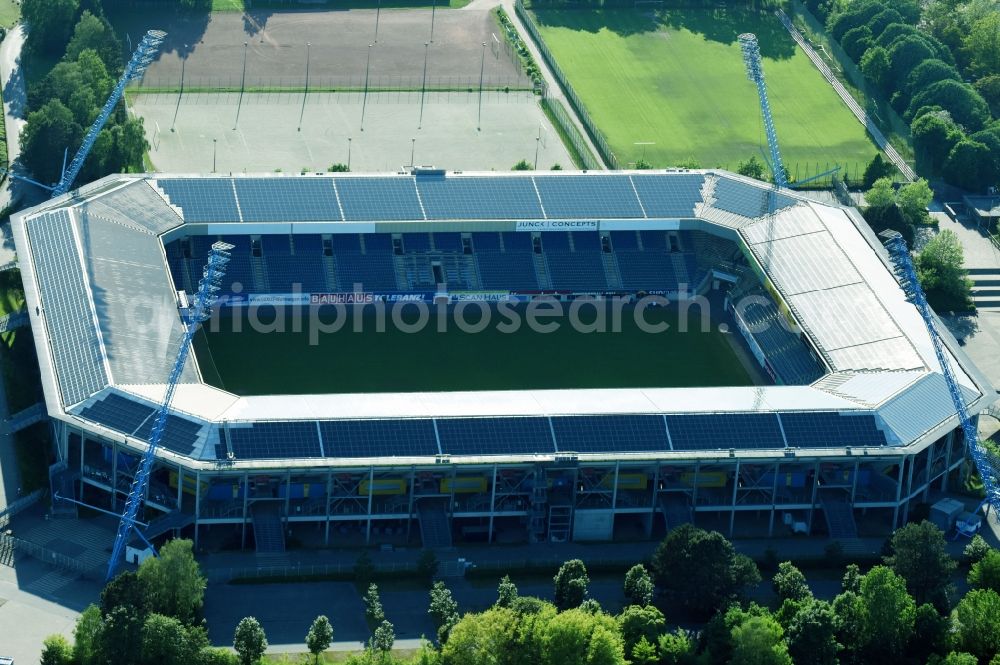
x=491, y=436
x=575, y=262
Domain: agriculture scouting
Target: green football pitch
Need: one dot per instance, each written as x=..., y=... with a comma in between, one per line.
x=257, y=363
x=677, y=80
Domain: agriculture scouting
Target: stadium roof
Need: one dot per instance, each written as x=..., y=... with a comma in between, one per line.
x=105, y=317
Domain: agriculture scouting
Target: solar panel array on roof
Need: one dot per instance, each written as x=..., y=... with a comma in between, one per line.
x=671, y=196
x=378, y=199
x=479, y=198
x=275, y=440
x=715, y=431
x=378, y=438
x=831, y=430
x=117, y=413
x=745, y=199
x=583, y=197
x=68, y=316
x=599, y=434
x=179, y=434
x=287, y=199
x=495, y=436
x=202, y=199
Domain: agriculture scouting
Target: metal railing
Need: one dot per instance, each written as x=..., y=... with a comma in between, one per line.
x=600, y=142
x=19, y=505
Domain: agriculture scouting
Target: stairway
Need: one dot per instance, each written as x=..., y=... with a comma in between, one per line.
x=560, y=520
x=676, y=509
x=174, y=520
x=259, y=274
x=839, y=519
x=542, y=272
x=435, y=528
x=330, y=269
x=268, y=531
x=611, y=273
x=985, y=287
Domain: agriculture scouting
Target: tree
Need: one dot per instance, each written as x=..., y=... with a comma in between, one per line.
x=568, y=634
x=759, y=641
x=982, y=45
x=854, y=17
x=174, y=581
x=642, y=165
x=976, y=622
x=523, y=165
x=881, y=195
x=878, y=168
x=934, y=135
x=338, y=167
x=92, y=32
x=571, y=584
x=48, y=132
x=87, y=636
x=931, y=634
x=985, y=573
x=889, y=613
x=789, y=583
x=638, y=586
x=605, y=648
x=56, y=650
x=920, y=556
x=955, y=658
x=856, y=41
x=166, y=641
x=970, y=165
x=427, y=564
x=128, y=591
x=941, y=272
x=701, y=570
x=811, y=634
x=883, y=20
x=752, y=168
x=383, y=638
x=989, y=88
x=852, y=578
x=677, y=648
x=928, y=72
x=249, y=641
x=966, y=106
x=121, y=637
x=319, y=636
x=443, y=610
x=50, y=22
x=506, y=592
x=850, y=611
x=643, y=653
x=374, y=614
x=638, y=622
x=875, y=66
x=913, y=199
x=976, y=550
x=906, y=53
x=488, y=638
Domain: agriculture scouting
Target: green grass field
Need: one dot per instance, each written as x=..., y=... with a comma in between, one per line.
x=254, y=363
x=678, y=79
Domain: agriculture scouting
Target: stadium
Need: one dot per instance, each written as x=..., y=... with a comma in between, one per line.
x=808, y=399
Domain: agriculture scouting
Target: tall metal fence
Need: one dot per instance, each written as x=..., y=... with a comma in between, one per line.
x=595, y=134
x=342, y=83
x=14, y=544
x=565, y=124
x=19, y=505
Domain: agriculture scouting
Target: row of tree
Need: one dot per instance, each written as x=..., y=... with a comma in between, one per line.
x=921, y=57
x=903, y=611
x=65, y=103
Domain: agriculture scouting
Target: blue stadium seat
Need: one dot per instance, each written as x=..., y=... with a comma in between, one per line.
x=346, y=242
x=275, y=244
x=373, y=271
x=448, y=242
x=586, y=240
x=576, y=271
x=514, y=241
x=555, y=241
x=653, y=239
x=416, y=242
x=377, y=242
x=646, y=271
x=513, y=270
x=482, y=241
x=307, y=243
x=624, y=240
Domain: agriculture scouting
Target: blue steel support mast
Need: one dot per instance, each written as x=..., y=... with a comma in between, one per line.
x=986, y=463
x=200, y=310
x=755, y=72
x=140, y=60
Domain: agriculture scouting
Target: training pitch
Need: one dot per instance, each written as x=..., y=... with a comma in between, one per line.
x=277, y=131
x=261, y=363
x=677, y=80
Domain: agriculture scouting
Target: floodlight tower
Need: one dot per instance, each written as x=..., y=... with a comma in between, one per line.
x=755, y=72
x=143, y=55
x=200, y=310
x=986, y=463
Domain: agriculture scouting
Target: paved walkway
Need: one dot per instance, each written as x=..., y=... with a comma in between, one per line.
x=553, y=90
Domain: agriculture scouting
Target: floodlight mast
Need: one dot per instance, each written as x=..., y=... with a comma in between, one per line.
x=200, y=310
x=755, y=73
x=986, y=462
x=135, y=68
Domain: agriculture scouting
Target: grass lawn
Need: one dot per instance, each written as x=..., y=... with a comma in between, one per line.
x=10, y=12
x=678, y=79
x=254, y=363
